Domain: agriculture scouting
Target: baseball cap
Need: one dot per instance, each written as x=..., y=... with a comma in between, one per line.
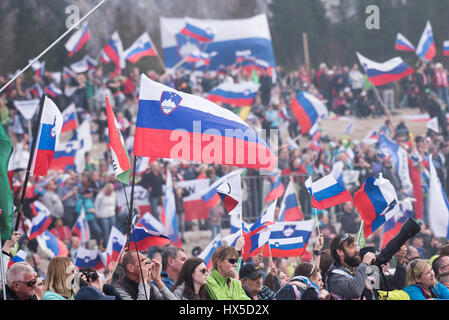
x=91, y=293
x=250, y=270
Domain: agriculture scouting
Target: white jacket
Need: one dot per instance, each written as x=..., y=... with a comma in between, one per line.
x=105, y=205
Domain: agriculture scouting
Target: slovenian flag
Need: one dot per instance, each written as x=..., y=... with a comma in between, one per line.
x=52, y=246
x=81, y=227
x=65, y=154
x=235, y=94
x=40, y=70
x=266, y=219
x=41, y=221
x=290, y=210
x=276, y=190
x=307, y=109
x=176, y=125
x=47, y=138
x=446, y=48
x=78, y=40
x=375, y=202
x=402, y=44
x=385, y=72
x=142, y=47
x=120, y=158
x=210, y=195
x=199, y=57
x=116, y=243
x=207, y=253
x=70, y=118
x=200, y=33
x=19, y=257
x=393, y=225
x=426, y=49
x=86, y=258
x=327, y=192
x=114, y=51
x=36, y=90
x=289, y=239
x=146, y=238
x=53, y=90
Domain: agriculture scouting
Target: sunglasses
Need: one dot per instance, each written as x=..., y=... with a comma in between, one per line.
x=344, y=238
x=31, y=283
x=232, y=261
x=203, y=271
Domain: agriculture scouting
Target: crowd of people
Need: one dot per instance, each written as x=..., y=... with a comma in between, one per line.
x=336, y=269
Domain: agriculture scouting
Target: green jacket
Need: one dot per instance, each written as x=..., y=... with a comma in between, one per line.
x=218, y=289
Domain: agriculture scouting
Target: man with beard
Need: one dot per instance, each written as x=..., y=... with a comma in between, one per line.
x=347, y=276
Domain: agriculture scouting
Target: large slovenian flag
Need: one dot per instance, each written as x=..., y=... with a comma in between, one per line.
x=235, y=94
x=78, y=40
x=120, y=158
x=41, y=222
x=250, y=34
x=202, y=33
x=116, y=243
x=276, y=189
x=142, y=47
x=175, y=125
x=81, y=227
x=230, y=193
x=307, y=109
x=171, y=219
x=114, y=51
x=19, y=257
x=327, y=192
x=52, y=246
x=375, y=202
x=290, y=210
x=289, y=239
x=385, y=72
x=426, y=49
x=47, y=138
x=438, y=206
x=208, y=252
x=86, y=258
x=146, y=238
x=402, y=44
x=446, y=47
x=70, y=118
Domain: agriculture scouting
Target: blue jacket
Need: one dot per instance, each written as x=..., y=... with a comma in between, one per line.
x=416, y=293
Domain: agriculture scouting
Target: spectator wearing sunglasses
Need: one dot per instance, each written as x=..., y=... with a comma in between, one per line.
x=222, y=283
x=251, y=276
x=422, y=283
x=21, y=280
x=191, y=283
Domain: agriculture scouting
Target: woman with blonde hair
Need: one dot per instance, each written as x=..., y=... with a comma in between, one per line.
x=422, y=284
x=60, y=282
x=105, y=205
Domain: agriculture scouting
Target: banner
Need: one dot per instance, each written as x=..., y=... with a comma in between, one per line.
x=194, y=206
x=27, y=108
x=229, y=36
x=141, y=199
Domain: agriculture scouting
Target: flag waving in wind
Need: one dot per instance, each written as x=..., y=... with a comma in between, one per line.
x=327, y=192
x=200, y=33
x=307, y=109
x=230, y=193
x=426, y=49
x=47, y=138
x=78, y=40
x=402, y=44
x=142, y=47
x=120, y=158
x=176, y=125
x=114, y=51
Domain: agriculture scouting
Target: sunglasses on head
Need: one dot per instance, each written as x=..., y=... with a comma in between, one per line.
x=344, y=238
x=232, y=261
x=31, y=283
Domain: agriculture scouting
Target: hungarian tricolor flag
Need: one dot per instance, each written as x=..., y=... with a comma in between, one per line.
x=120, y=158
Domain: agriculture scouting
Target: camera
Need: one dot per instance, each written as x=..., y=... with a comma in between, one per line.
x=409, y=229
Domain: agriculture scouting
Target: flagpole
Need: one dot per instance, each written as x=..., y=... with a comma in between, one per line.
x=51, y=46
x=131, y=207
x=131, y=226
x=317, y=221
x=30, y=160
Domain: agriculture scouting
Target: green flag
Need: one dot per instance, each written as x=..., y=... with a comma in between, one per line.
x=360, y=238
x=255, y=76
x=6, y=199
